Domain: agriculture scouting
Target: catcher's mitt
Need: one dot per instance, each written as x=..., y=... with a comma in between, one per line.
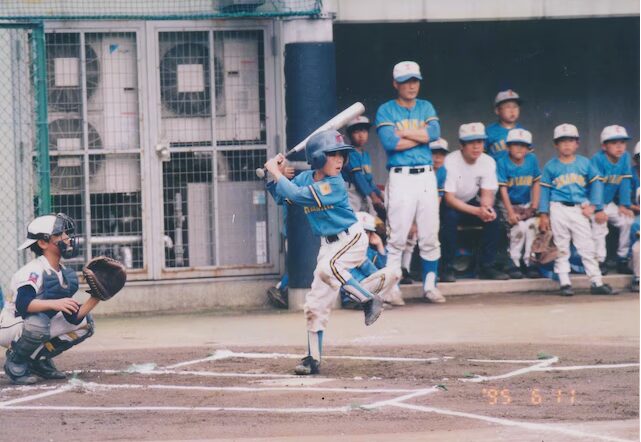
x=524, y=212
x=543, y=248
x=105, y=277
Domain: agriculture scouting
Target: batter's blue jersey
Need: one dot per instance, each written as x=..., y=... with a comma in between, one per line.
x=441, y=175
x=392, y=116
x=576, y=182
x=325, y=202
x=617, y=178
x=358, y=171
x=518, y=179
x=495, y=142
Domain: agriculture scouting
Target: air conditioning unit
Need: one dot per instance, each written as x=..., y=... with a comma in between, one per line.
x=112, y=112
x=186, y=88
x=236, y=6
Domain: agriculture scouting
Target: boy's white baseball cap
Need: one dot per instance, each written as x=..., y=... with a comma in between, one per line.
x=405, y=70
x=43, y=225
x=359, y=120
x=471, y=132
x=614, y=132
x=440, y=144
x=519, y=136
x=636, y=149
x=367, y=220
x=506, y=96
x=566, y=130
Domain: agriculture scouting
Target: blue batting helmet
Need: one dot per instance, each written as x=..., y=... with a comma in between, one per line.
x=322, y=143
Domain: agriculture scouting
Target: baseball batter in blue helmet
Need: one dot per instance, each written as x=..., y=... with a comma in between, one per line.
x=322, y=194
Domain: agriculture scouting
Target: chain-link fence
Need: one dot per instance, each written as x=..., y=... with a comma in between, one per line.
x=154, y=9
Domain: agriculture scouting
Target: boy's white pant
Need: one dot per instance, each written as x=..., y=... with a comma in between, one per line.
x=412, y=198
x=382, y=283
x=600, y=231
x=634, y=262
x=522, y=236
x=11, y=327
x=332, y=270
x=569, y=224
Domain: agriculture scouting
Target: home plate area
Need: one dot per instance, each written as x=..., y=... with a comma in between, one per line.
x=360, y=391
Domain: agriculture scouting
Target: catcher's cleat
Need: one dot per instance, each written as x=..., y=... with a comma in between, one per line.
x=434, y=295
x=373, y=309
x=603, y=289
x=277, y=298
x=566, y=290
x=18, y=372
x=46, y=369
x=307, y=366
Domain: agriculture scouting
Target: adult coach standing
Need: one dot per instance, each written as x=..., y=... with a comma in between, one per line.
x=405, y=126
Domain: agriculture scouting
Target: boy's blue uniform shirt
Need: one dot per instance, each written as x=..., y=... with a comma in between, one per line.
x=495, y=142
x=358, y=172
x=518, y=179
x=441, y=176
x=617, y=178
x=392, y=116
x=325, y=202
x=575, y=182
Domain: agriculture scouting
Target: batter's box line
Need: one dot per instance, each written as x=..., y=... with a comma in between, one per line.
x=228, y=354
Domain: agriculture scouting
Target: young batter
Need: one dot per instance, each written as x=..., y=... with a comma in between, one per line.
x=322, y=193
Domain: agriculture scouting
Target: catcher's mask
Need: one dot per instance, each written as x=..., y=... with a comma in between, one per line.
x=44, y=227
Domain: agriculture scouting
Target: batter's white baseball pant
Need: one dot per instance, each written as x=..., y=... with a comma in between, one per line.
x=600, y=231
x=569, y=224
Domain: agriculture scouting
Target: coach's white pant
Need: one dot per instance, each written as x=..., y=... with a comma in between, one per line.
x=569, y=224
x=332, y=270
x=600, y=231
x=412, y=197
x=11, y=327
x=522, y=236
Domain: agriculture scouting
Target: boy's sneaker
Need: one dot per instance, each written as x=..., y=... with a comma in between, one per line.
x=492, y=273
x=406, y=279
x=634, y=285
x=45, y=369
x=514, y=273
x=603, y=289
x=373, y=309
x=434, y=295
x=277, y=298
x=532, y=273
x=307, y=366
x=603, y=267
x=623, y=267
x=566, y=290
x=447, y=276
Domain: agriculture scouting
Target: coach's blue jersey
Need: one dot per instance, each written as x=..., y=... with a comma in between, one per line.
x=495, y=142
x=576, y=182
x=441, y=175
x=358, y=171
x=391, y=116
x=325, y=202
x=617, y=178
x=518, y=179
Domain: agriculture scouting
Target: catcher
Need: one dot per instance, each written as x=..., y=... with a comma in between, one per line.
x=40, y=318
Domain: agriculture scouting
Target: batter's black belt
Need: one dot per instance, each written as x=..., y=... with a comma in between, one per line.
x=412, y=170
x=333, y=238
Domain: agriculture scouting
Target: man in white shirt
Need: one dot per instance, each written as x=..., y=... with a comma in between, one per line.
x=470, y=188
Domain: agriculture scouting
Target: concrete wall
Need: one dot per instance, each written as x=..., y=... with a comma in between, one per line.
x=584, y=72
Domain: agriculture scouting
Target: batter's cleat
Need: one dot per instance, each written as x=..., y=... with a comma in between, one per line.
x=447, y=276
x=406, y=279
x=434, y=295
x=566, y=290
x=307, y=366
x=277, y=298
x=46, y=369
x=603, y=289
x=623, y=267
x=514, y=273
x=492, y=273
x=532, y=273
x=373, y=309
x=603, y=267
x=18, y=372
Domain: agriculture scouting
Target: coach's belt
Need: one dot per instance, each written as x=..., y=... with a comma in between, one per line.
x=412, y=170
x=333, y=238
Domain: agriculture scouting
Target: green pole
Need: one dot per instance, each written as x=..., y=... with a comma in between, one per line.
x=43, y=202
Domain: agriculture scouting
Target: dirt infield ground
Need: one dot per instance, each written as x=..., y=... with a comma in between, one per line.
x=472, y=382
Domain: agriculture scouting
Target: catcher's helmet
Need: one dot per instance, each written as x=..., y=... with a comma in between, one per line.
x=43, y=227
x=320, y=144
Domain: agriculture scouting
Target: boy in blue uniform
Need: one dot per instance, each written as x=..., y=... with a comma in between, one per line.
x=571, y=191
x=614, y=166
x=322, y=194
x=634, y=231
x=518, y=175
x=507, y=107
x=364, y=195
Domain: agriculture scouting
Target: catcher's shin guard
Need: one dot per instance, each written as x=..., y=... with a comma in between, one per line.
x=64, y=342
x=35, y=332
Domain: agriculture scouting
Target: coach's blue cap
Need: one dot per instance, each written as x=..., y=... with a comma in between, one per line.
x=405, y=70
x=471, y=132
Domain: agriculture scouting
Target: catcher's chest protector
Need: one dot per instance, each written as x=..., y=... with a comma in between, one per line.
x=53, y=289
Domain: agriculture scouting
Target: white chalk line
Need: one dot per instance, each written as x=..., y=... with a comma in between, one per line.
x=32, y=397
x=399, y=399
x=344, y=409
x=510, y=423
x=588, y=367
x=520, y=371
x=192, y=373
